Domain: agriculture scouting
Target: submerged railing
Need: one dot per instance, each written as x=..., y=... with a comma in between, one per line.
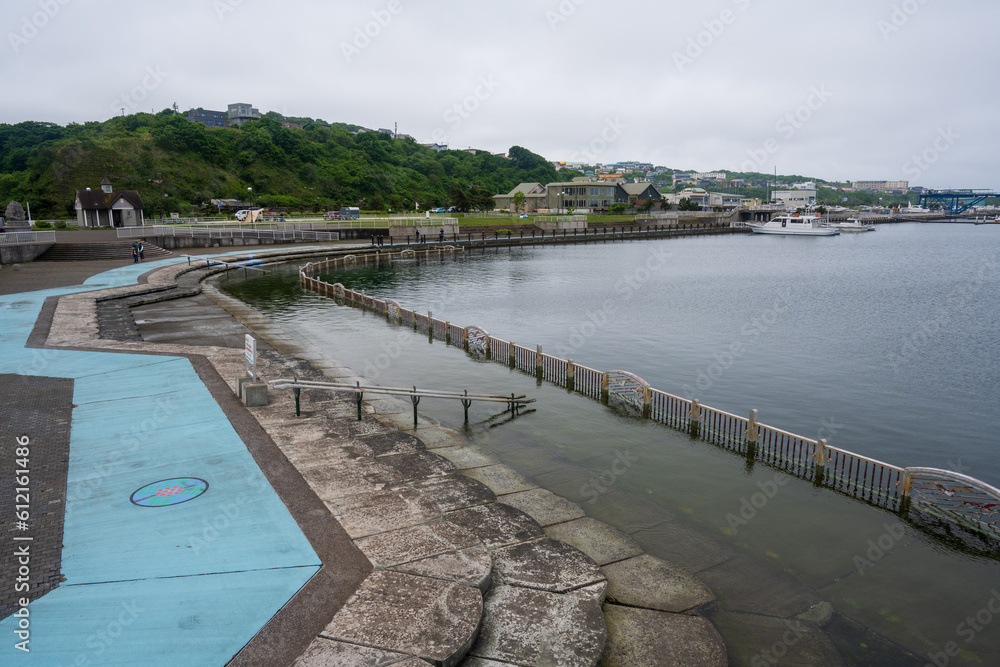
x=957, y=499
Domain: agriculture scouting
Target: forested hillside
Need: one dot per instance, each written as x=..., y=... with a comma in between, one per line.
x=321, y=167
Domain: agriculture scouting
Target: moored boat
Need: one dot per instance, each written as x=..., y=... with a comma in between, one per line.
x=854, y=225
x=794, y=224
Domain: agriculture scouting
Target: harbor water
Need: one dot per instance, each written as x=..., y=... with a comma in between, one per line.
x=884, y=343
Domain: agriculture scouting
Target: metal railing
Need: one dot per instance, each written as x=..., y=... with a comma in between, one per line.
x=513, y=402
x=878, y=483
x=226, y=233
x=25, y=238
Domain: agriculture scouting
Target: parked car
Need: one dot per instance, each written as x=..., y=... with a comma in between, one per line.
x=440, y=209
x=331, y=215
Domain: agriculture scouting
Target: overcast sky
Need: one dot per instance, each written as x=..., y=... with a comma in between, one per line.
x=845, y=90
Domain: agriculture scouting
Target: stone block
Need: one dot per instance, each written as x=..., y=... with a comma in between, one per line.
x=545, y=564
x=522, y=626
x=502, y=479
x=604, y=543
x=240, y=381
x=646, y=637
x=419, y=616
x=496, y=524
x=254, y=394
x=651, y=583
x=544, y=506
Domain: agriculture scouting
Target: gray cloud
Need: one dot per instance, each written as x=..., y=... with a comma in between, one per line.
x=699, y=85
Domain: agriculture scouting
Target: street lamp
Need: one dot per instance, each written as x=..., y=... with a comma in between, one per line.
x=250, y=212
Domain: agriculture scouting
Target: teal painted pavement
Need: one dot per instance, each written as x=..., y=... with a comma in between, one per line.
x=189, y=583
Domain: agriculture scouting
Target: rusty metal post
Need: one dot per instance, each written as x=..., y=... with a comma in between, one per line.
x=539, y=366
x=570, y=375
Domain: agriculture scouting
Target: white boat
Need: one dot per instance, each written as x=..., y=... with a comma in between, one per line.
x=910, y=208
x=796, y=225
x=854, y=225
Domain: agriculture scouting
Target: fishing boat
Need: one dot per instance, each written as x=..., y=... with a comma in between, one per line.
x=795, y=224
x=854, y=225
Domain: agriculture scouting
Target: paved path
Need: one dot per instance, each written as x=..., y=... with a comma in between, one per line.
x=189, y=583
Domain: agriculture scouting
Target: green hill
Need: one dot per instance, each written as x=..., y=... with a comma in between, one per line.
x=323, y=166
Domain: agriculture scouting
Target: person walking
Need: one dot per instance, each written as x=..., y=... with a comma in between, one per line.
x=135, y=252
x=142, y=251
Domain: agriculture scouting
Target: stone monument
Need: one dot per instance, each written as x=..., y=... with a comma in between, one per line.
x=15, y=217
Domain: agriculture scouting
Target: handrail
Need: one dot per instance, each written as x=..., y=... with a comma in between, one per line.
x=514, y=402
x=18, y=238
x=232, y=265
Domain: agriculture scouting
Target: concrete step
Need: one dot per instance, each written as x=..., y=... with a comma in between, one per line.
x=79, y=252
x=456, y=572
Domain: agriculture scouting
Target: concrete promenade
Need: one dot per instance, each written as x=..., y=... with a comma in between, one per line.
x=316, y=540
x=216, y=568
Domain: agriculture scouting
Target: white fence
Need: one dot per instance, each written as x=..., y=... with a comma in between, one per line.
x=227, y=233
x=26, y=238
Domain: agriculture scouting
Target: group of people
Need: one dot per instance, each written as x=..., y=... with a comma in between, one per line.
x=138, y=251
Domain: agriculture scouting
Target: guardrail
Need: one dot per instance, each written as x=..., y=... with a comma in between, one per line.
x=513, y=402
x=881, y=484
x=227, y=233
x=26, y=238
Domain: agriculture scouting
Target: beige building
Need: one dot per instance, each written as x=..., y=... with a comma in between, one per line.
x=535, y=198
x=881, y=186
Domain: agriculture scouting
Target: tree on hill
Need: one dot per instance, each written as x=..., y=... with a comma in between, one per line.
x=324, y=165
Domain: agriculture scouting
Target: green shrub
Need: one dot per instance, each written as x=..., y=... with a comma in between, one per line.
x=60, y=224
x=41, y=224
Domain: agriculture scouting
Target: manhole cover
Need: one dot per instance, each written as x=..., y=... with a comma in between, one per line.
x=169, y=492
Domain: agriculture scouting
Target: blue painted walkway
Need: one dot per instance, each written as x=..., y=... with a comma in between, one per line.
x=187, y=584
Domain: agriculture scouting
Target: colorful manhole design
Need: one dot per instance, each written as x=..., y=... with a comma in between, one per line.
x=169, y=492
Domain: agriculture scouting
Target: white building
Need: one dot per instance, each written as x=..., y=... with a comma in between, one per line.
x=795, y=199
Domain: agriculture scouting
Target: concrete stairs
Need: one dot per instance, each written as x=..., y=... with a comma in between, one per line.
x=82, y=252
x=474, y=565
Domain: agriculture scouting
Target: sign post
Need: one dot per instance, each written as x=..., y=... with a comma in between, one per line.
x=251, y=356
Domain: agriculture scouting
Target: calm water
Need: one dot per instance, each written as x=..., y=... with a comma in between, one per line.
x=884, y=343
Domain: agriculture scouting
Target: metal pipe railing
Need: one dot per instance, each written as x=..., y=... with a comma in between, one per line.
x=514, y=402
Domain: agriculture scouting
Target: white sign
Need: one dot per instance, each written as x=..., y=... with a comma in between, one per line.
x=251, y=354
